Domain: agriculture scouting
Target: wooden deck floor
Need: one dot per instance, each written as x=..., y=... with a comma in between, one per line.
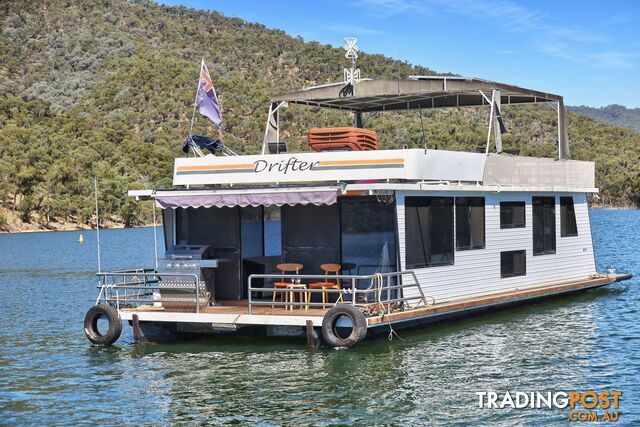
x=236, y=307
x=237, y=312
x=478, y=301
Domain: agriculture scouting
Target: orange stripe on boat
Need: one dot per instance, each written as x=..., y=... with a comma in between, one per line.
x=360, y=162
x=214, y=167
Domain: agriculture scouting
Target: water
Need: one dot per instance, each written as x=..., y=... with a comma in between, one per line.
x=49, y=374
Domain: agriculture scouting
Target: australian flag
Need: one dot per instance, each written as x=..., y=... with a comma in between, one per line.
x=206, y=99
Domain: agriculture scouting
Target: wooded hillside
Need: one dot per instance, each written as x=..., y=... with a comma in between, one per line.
x=105, y=88
x=617, y=115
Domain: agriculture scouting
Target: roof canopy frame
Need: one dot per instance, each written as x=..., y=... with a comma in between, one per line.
x=424, y=92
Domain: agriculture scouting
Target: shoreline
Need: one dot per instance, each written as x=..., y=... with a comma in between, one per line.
x=61, y=229
x=114, y=225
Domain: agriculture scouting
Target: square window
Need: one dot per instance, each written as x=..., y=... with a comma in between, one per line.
x=470, y=224
x=428, y=231
x=513, y=263
x=568, y=226
x=544, y=225
x=512, y=215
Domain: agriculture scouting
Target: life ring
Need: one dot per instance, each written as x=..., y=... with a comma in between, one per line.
x=337, y=322
x=91, y=324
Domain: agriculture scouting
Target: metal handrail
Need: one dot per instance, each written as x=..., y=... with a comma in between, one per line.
x=145, y=281
x=131, y=281
x=353, y=290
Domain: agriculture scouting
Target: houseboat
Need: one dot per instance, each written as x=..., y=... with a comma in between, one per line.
x=347, y=240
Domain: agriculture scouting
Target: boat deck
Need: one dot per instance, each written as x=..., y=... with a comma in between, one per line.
x=231, y=307
x=478, y=302
x=236, y=313
x=227, y=313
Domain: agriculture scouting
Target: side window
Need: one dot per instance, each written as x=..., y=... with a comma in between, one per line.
x=513, y=263
x=368, y=241
x=428, y=231
x=182, y=226
x=168, y=224
x=544, y=225
x=512, y=215
x=568, y=226
x=272, y=223
x=469, y=223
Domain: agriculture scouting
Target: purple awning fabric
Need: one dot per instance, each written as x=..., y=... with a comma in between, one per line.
x=248, y=199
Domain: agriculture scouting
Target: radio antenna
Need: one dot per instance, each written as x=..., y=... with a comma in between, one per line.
x=95, y=190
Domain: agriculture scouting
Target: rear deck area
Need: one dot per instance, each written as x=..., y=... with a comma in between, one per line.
x=237, y=313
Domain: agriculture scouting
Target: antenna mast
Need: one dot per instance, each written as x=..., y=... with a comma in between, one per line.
x=351, y=75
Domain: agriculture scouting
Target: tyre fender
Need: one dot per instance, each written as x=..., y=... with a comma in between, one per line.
x=331, y=318
x=91, y=324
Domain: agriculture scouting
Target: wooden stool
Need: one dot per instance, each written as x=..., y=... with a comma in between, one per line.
x=284, y=269
x=328, y=268
x=291, y=296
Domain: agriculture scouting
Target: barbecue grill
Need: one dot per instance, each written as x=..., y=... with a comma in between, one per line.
x=188, y=259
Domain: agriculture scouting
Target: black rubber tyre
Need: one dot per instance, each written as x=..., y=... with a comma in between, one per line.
x=358, y=330
x=91, y=324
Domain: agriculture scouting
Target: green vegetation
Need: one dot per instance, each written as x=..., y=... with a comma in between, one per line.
x=105, y=88
x=617, y=115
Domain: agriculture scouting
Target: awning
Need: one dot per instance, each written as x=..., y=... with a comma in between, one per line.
x=247, y=199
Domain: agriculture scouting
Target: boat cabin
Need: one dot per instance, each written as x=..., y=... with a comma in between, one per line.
x=464, y=222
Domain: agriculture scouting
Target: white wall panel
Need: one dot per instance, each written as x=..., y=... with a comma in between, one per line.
x=478, y=271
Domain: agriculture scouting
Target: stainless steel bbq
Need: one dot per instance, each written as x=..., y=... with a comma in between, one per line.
x=190, y=259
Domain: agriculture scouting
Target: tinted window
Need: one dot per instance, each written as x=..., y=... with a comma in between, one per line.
x=220, y=229
x=251, y=232
x=272, y=230
x=182, y=226
x=544, y=225
x=512, y=215
x=368, y=236
x=168, y=216
x=513, y=263
x=428, y=231
x=469, y=223
x=217, y=227
x=311, y=236
x=568, y=226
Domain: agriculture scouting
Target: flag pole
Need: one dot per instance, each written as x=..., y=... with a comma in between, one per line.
x=195, y=100
x=215, y=94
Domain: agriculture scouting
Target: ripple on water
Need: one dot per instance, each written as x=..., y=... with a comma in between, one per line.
x=49, y=374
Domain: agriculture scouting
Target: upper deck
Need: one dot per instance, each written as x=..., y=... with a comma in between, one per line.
x=409, y=166
x=397, y=167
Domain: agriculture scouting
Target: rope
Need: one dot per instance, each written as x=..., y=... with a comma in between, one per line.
x=392, y=333
x=378, y=281
x=235, y=320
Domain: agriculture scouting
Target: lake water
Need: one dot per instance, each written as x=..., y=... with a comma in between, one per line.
x=50, y=374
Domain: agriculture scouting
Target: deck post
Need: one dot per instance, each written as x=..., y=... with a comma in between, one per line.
x=249, y=295
x=357, y=119
x=353, y=291
x=138, y=336
x=563, y=136
x=313, y=341
x=497, y=132
x=493, y=103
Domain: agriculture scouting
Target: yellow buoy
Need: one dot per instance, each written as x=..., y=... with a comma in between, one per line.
x=81, y=239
